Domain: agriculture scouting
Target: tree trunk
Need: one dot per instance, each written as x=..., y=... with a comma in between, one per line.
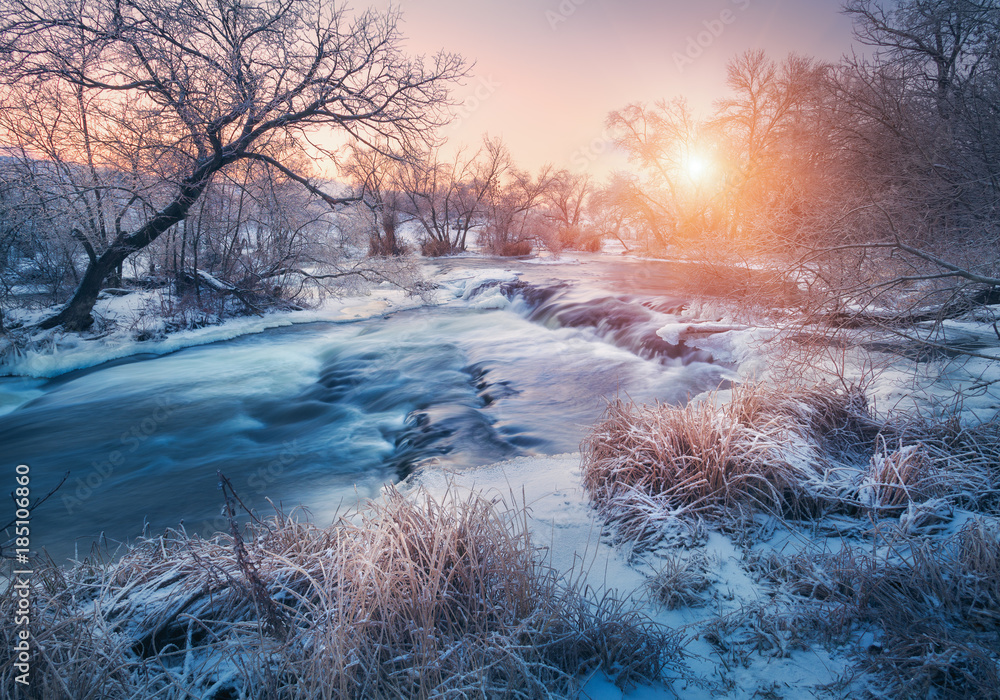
x=76, y=315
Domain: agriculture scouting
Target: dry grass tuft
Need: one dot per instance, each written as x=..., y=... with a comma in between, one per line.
x=681, y=581
x=759, y=627
x=895, y=479
x=690, y=460
x=793, y=453
x=922, y=605
x=928, y=661
x=766, y=449
x=76, y=655
x=416, y=598
x=930, y=606
x=966, y=460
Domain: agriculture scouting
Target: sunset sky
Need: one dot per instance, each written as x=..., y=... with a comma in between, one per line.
x=547, y=73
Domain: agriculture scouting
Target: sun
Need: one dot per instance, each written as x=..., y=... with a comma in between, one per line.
x=696, y=166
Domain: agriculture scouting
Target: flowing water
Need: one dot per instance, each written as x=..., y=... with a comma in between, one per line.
x=319, y=415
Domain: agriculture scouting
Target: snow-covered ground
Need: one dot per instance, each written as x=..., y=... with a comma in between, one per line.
x=892, y=382
x=562, y=521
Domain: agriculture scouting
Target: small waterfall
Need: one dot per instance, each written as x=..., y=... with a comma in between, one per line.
x=630, y=322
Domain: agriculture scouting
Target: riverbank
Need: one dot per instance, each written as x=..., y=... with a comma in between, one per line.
x=133, y=323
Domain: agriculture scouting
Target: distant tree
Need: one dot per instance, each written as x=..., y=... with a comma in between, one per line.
x=513, y=215
x=153, y=99
x=376, y=175
x=256, y=229
x=447, y=196
x=616, y=210
x=745, y=173
x=566, y=200
x=28, y=222
x=773, y=143
x=659, y=139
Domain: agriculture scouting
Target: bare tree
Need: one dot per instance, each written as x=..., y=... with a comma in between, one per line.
x=609, y=209
x=656, y=139
x=447, y=196
x=773, y=144
x=911, y=235
x=942, y=44
x=924, y=126
x=566, y=200
x=377, y=175
x=178, y=91
x=28, y=226
x=513, y=217
x=904, y=235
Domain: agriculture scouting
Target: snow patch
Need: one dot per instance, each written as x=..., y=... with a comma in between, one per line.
x=728, y=343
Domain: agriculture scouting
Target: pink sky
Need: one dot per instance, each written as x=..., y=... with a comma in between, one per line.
x=548, y=72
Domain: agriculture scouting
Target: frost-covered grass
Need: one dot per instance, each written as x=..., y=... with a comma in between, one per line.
x=698, y=585
x=681, y=581
x=767, y=449
x=928, y=607
x=878, y=536
x=415, y=597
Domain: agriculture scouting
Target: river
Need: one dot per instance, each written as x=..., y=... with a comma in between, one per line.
x=321, y=414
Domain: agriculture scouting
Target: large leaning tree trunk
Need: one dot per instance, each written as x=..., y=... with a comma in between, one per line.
x=76, y=314
x=166, y=94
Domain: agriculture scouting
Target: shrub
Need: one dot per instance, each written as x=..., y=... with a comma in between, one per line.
x=576, y=238
x=511, y=249
x=434, y=248
x=380, y=246
x=591, y=244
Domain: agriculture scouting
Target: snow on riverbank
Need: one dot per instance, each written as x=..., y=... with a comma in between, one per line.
x=130, y=325
x=126, y=332
x=958, y=362
x=562, y=521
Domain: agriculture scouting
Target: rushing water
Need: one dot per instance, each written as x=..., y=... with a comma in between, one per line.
x=321, y=414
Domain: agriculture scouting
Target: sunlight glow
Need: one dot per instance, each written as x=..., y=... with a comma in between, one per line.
x=696, y=166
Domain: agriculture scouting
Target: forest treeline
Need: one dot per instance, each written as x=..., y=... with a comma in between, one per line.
x=169, y=143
